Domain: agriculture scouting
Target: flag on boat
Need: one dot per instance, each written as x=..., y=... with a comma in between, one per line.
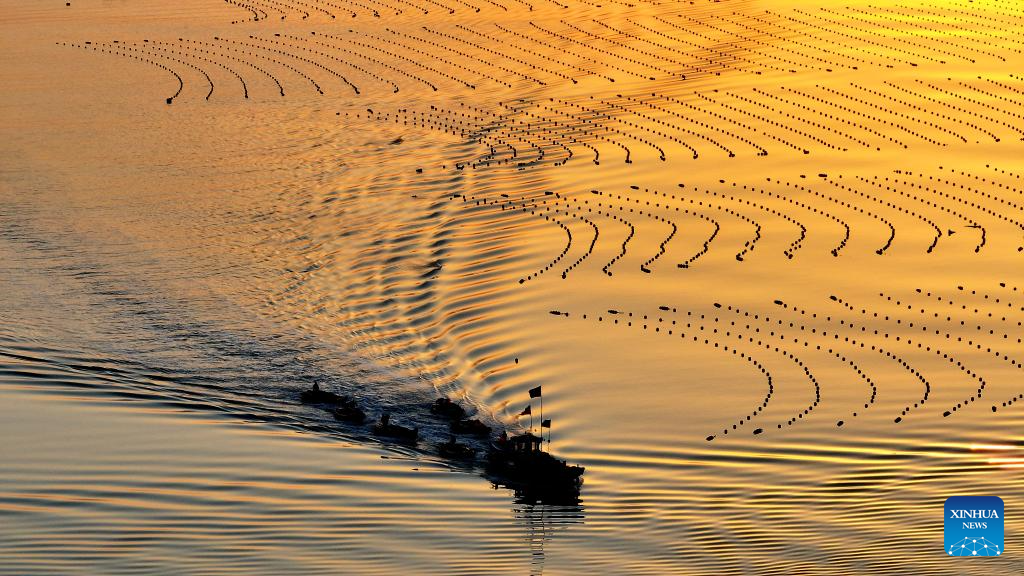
x=546, y=423
x=535, y=392
x=526, y=411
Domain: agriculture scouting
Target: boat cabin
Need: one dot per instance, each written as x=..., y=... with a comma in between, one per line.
x=527, y=443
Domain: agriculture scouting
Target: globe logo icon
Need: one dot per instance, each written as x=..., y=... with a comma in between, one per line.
x=974, y=546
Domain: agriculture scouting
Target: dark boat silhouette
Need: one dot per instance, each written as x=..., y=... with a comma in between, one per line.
x=316, y=395
x=456, y=450
x=520, y=463
x=349, y=412
x=385, y=428
x=473, y=426
x=448, y=409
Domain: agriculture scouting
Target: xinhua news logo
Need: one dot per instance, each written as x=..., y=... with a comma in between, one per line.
x=974, y=526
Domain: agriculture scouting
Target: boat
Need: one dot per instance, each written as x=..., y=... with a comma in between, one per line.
x=456, y=450
x=349, y=412
x=473, y=426
x=445, y=407
x=316, y=395
x=521, y=463
x=384, y=427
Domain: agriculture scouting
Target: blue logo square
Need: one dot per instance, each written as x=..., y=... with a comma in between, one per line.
x=974, y=526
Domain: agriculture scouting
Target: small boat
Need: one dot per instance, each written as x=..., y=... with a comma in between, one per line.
x=316, y=395
x=349, y=412
x=456, y=450
x=448, y=409
x=385, y=428
x=520, y=463
x=473, y=426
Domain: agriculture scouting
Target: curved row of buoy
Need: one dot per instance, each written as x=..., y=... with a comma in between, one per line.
x=802, y=120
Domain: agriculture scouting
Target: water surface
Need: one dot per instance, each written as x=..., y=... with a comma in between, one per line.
x=763, y=259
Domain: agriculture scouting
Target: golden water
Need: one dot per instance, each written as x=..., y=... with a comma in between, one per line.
x=764, y=259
